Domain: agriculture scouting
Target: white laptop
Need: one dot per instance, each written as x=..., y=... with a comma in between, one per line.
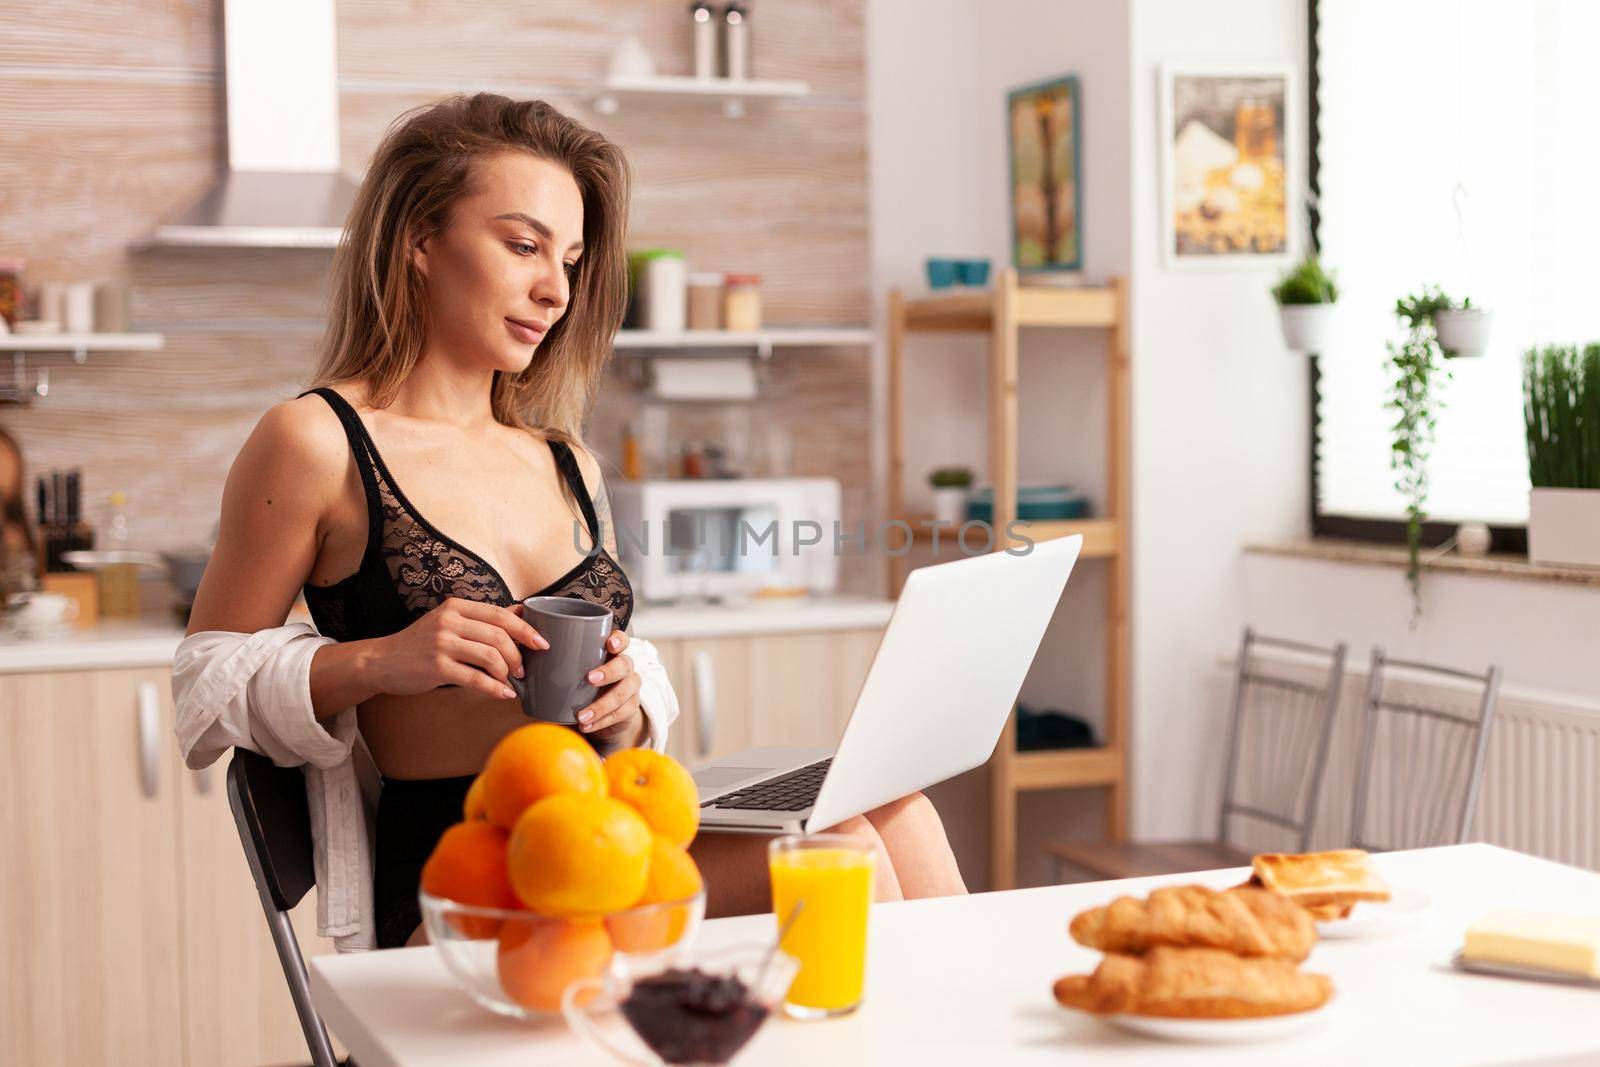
x=946, y=676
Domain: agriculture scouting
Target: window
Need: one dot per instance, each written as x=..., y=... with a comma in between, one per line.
x=1455, y=142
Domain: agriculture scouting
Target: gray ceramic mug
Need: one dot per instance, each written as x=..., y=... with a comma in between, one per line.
x=556, y=684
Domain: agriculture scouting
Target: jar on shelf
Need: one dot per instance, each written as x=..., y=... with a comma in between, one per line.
x=661, y=277
x=705, y=301
x=741, y=303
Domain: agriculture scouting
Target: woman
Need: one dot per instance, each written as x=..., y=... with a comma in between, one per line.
x=435, y=478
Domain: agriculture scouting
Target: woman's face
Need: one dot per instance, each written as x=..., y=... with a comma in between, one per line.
x=499, y=275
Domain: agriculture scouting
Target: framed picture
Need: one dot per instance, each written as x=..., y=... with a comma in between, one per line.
x=1229, y=167
x=1042, y=123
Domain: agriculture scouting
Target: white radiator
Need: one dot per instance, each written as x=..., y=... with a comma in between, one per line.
x=1541, y=784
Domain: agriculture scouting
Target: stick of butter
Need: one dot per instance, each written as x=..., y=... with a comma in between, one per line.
x=1568, y=944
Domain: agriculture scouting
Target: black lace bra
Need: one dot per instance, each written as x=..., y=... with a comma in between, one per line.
x=409, y=567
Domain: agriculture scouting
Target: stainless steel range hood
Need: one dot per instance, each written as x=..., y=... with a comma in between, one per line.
x=282, y=187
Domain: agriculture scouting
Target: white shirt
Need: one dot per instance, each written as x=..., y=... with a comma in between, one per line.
x=254, y=691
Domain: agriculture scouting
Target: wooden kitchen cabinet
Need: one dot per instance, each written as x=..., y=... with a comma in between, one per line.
x=767, y=689
x=134, y=934
x=92, y=969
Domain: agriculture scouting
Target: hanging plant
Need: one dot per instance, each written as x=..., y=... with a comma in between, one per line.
x=1305, y=297
x=1417, y=362
x=1463, y=330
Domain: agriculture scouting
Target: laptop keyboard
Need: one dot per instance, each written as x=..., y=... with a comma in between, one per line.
x=794, y=791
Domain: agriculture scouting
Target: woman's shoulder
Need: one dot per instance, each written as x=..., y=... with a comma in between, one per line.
x=302, y=437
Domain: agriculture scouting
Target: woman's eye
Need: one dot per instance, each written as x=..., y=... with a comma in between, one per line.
x=571, y=269
x=523, y=248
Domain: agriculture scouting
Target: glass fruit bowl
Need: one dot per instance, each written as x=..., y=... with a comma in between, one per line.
x=518, y=963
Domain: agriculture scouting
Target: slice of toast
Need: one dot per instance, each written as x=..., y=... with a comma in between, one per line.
x=1327, y=884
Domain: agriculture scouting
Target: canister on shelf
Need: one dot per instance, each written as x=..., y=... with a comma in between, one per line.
x=705, y=301
x=11, y=289
x=704, y=19
x=741, y=303
x=662, y=279
x=736, y=40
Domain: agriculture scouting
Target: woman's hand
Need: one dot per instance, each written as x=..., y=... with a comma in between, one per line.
x=460, y=642
x=615, y=716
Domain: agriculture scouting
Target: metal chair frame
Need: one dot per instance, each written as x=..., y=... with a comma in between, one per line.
x=1327, y=698
x=280, y=863
x=1478, y=730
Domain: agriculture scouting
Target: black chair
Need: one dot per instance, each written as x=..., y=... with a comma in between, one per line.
x=269, y=807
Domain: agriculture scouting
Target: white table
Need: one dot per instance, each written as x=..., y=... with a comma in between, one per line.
x=967, y=981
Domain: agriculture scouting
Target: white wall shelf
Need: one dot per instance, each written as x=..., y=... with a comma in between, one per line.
x=733, y=93
x=18, y=391
x=82, y=342
x=630, y=342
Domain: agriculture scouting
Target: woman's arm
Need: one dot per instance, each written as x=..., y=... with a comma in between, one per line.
x=287, y=477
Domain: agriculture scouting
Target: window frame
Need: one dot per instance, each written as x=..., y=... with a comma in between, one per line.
x=1503, y=538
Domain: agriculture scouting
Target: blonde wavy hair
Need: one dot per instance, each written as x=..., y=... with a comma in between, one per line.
x=420, y=171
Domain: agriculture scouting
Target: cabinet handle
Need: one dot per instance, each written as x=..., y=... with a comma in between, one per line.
x=149, y=737
x=705, y=701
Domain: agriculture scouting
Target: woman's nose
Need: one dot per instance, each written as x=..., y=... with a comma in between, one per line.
x=550, y=287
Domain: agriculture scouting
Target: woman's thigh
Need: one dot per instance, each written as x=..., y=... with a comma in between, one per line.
x=913, y=835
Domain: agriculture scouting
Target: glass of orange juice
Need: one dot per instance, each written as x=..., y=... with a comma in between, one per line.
x=830, y=876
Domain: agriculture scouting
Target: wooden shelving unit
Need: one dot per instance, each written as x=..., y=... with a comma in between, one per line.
x=1002, y=313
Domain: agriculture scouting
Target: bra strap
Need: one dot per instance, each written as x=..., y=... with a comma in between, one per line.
x=362, y=448
x=569, y=470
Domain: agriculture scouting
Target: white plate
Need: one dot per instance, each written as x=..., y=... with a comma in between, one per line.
x=1400, y=912
x=1221, y=1031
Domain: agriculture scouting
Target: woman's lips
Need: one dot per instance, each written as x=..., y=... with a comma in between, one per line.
x=529, y=333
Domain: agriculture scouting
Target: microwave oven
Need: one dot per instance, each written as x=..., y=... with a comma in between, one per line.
x=711, y=539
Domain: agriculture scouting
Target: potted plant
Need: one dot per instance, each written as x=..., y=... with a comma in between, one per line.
x=1561, y=403
x=1463, y=329
x=950, y=485
x=1305, y=297
x=1415, y=361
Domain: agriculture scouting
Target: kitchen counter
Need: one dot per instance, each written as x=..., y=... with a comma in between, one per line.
x=150, y=642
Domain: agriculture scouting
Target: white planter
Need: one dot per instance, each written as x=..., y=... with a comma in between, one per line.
x=1564, y=526
x=1306, y=326
x=1464, y=332
x=950, y=505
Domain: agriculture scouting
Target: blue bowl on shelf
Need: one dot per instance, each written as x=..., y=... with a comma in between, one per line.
x=943, y=273
x=1035, y=503
x=973, y=271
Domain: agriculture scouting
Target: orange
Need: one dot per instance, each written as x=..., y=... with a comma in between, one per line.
x=659, y=788
x=672, y=877
x=573, y=854
x=673, y=874
x=537, y=761
x=539, y=958
x=473, y=806
x=468, y=866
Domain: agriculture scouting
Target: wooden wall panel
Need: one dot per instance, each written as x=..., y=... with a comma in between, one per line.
x=116, y=122
x=171, y=36
x=88, y=166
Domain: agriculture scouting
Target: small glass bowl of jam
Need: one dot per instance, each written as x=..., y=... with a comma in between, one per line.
x=700, y=1012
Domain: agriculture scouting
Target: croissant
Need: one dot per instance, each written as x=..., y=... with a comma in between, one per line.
x=1193, y=983
x=1249, y=922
